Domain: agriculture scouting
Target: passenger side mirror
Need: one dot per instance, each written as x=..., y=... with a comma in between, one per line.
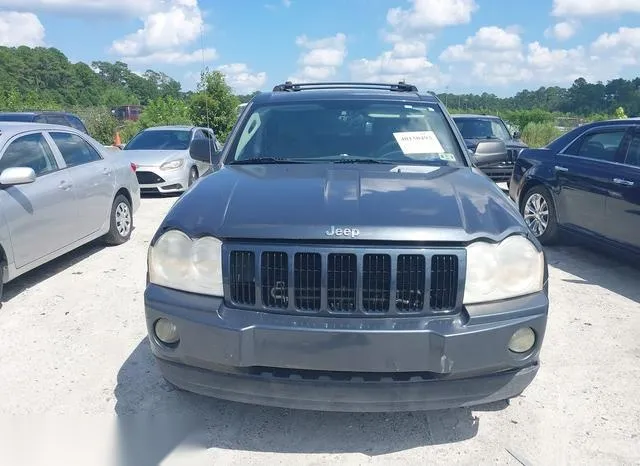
x=489, y=152
x=202, y=150
x=17, y=175
x=516, y=135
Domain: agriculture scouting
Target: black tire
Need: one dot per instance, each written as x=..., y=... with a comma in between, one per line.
x=550, y=234
x=120, y=229
x=193, y=176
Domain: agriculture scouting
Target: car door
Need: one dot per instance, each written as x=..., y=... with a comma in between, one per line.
x=623, y=207
x=584, y=176
x=93, y=179
x=42, y=215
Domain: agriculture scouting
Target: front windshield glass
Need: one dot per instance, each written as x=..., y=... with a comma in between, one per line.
x=165, y=139
x=482, y=128
x=347, y=131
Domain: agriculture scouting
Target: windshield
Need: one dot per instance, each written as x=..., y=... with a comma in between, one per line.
x=165, y=139
x=346, y=131
x=482, y=128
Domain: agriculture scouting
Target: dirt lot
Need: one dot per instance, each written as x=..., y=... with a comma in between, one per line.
x=73, y=344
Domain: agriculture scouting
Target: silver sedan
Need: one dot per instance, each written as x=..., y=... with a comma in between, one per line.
x=162, y=157
x=59, y=189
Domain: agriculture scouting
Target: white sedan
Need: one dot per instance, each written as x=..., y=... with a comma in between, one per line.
x=59, y=189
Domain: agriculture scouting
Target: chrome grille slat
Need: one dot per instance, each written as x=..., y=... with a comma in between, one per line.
x=344, y=281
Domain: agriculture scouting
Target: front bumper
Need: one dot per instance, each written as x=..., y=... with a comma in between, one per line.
x=346, y=364
x=152, y=180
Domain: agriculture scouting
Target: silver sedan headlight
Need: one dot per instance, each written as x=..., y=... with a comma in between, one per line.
x=511, y=268
x=179, y=262
x=172, y=164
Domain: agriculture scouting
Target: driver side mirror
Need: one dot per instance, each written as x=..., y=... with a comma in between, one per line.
x=202, y=150
x=516, y=135
x=17, y=175
x=489, y=152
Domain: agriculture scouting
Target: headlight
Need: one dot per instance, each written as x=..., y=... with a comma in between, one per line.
x=172, y=165
x=505, y=270
x=176, y=261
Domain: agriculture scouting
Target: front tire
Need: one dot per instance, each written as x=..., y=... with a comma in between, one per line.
x=540, y=214
x=121, y=221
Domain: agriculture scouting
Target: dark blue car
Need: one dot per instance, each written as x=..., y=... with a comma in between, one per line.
x=587, y=182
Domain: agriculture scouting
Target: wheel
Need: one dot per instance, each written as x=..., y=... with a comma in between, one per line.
x=193, y=176
x=540, y=214
x=121, y=221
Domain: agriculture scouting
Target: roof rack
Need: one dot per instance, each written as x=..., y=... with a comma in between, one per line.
x=295, y=87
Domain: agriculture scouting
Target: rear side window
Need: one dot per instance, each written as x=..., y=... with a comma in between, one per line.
x=31, y=151
x=57, y=120
x=633, y=154
x=75, y=150
x=598, y=145
x=76, y=123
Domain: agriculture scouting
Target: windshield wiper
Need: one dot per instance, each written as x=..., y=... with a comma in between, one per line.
x=264, y=160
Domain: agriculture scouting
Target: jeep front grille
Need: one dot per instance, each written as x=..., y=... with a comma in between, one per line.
x=344, y=281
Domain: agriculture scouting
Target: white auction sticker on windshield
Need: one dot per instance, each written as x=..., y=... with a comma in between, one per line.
x=419, y=142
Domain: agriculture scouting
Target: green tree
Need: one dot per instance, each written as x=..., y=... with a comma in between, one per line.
x=165, y=111
x=619, y=113
x=214, y=105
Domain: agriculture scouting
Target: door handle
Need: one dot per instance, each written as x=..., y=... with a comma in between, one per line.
x=623, y=182
x=65, y=185
x=561, y=169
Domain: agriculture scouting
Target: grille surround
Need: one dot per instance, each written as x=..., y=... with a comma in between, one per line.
x=307, y=300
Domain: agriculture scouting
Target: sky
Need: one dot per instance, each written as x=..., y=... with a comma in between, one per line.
x=459, y=46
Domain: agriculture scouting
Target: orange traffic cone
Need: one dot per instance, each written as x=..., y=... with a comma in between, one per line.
x=116, y=139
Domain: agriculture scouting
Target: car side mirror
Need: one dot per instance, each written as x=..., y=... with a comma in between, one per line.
x=516, y=135
x=202, y=150
x=489, y=152
x=17, y=175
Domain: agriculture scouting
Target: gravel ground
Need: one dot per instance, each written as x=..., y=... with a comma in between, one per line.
x=74, y=348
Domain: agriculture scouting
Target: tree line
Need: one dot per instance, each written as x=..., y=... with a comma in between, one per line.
x=44, y=79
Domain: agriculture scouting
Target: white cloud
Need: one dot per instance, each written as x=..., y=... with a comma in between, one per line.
x=563, y=30
x=242, y=79
x=322, y=58
x=497, y=56
x=405, y=61
x=427, y=15
x=567, y=8
x=20, y=29
x=173, y=57
x=622, y=46
x=110, y=7
x=165, y=36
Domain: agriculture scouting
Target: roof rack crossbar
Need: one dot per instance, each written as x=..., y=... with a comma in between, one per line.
x=295, y=87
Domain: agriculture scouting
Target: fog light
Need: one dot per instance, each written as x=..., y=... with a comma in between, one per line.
x=166, y=331
x=522, y=340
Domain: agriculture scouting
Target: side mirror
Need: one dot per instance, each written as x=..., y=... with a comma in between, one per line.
x=516, y=135
x=202, y=150
x=489, y=152
x=17, y=175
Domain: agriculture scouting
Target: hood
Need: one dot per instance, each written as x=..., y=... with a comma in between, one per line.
x=382, y=202
x=153, y=158
x=511, y=144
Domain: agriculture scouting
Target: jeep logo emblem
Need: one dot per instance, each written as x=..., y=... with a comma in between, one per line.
x=343, y=232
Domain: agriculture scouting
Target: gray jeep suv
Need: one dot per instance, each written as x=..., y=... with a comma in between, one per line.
x=343, y=254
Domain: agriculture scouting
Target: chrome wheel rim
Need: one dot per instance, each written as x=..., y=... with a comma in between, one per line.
x=536, y=214
x=123, y=219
